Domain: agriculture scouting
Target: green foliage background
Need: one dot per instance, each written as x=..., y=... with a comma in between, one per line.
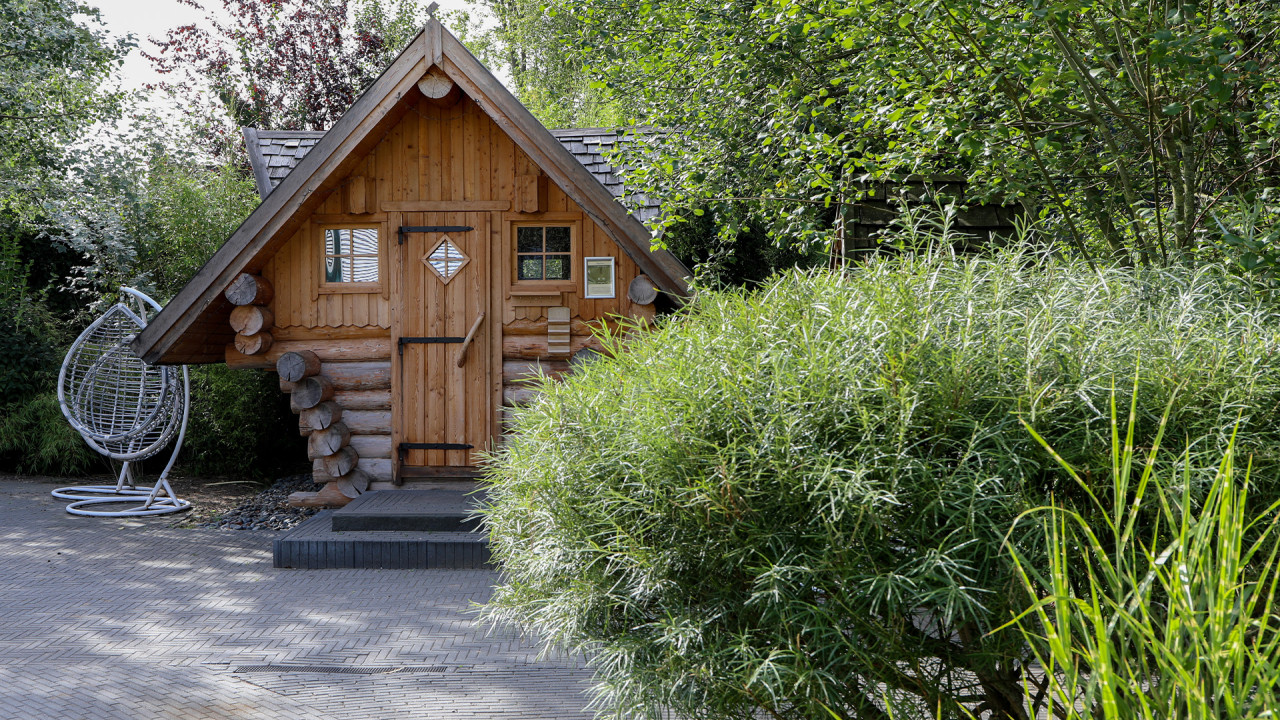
x=1132, y=129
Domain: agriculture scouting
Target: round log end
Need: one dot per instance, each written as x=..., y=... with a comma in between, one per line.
x=254, y=344
x=249, y=289
x=321, y=416
x=341, y=462
x=437, y=86
x=329, y=440
x=642, y=291
x=311, y=391
x=251, y=319
x=294, y=366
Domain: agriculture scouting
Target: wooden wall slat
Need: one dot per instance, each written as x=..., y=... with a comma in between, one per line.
x=411, y=155
x=470, y=156
x=456, y=153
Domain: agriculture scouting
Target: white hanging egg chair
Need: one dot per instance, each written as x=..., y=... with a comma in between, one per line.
x=124, y=409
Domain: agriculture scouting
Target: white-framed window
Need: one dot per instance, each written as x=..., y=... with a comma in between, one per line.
x=598, y=277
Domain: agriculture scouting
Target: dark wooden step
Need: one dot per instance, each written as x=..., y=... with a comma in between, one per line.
x=314, y=545
x=434, y=510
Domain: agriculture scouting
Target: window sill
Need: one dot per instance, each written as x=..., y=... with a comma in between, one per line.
x=529, y=289
x=349, y=288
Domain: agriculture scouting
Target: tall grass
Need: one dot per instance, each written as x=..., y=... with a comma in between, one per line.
x=794, y=501
x=1139, y=618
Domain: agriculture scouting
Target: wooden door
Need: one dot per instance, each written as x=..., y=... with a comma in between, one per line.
x=441, y=311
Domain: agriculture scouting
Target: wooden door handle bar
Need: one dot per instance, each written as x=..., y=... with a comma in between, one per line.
x=466, y=342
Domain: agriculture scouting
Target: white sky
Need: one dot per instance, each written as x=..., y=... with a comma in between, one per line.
x=143, y=18
x=154, y=18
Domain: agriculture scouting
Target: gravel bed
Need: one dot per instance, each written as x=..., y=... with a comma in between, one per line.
x=268, y=510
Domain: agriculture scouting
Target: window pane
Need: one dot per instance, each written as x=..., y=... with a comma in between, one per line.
x=356, y=251
x=362, y=269
x=364, y=241
x=333, y=242
x=558, y=239
x=529, y=239
x=333, y=269
x=530, y=267
x=557, y=267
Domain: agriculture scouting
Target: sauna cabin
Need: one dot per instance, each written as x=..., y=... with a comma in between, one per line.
x=408, y=269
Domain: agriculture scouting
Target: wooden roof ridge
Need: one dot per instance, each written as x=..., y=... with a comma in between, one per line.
x=358, y=130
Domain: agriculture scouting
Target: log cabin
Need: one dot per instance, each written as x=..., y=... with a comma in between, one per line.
x=407, y=269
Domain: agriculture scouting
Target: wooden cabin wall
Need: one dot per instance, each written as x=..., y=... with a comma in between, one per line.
x=293, y=273
x=435, y=159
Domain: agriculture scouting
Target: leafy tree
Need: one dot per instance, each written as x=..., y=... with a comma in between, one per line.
x=280, y=64
x=1128, y=125
x=745, y=259
x=239, y=419
x=55, y=63
x=55, y=59
x=555, y=83
x=189, y=210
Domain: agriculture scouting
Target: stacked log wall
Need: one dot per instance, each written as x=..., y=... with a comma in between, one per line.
x=252, y=317
x=358, y=371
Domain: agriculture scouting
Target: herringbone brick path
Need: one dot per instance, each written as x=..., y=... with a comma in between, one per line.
x=104, y=618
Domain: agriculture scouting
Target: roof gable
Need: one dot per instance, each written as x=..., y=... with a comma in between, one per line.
x=274, y=153
x=177, y=334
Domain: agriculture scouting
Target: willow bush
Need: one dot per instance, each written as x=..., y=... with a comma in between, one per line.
x=792, y=502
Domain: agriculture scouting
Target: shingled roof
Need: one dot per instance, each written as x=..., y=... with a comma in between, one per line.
x=591, y=147
x=273, y=153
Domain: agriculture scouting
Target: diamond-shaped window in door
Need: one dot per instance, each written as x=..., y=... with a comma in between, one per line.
x=446, y=259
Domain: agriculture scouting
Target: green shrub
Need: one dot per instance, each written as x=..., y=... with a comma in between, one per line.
x=35, y=438
x=1136, y=620
x=28, y=332
x=240, y=425
x=793, y=501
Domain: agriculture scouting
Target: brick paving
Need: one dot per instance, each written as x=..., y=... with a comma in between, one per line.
x=124, y=618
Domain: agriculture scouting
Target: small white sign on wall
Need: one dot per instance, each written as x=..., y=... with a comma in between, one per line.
x=599, y=278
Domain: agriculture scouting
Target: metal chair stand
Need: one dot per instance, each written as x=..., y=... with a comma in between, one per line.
x=124, y=409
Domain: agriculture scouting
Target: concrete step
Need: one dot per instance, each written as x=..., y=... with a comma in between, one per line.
x=441, y=509
x=314, y=545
